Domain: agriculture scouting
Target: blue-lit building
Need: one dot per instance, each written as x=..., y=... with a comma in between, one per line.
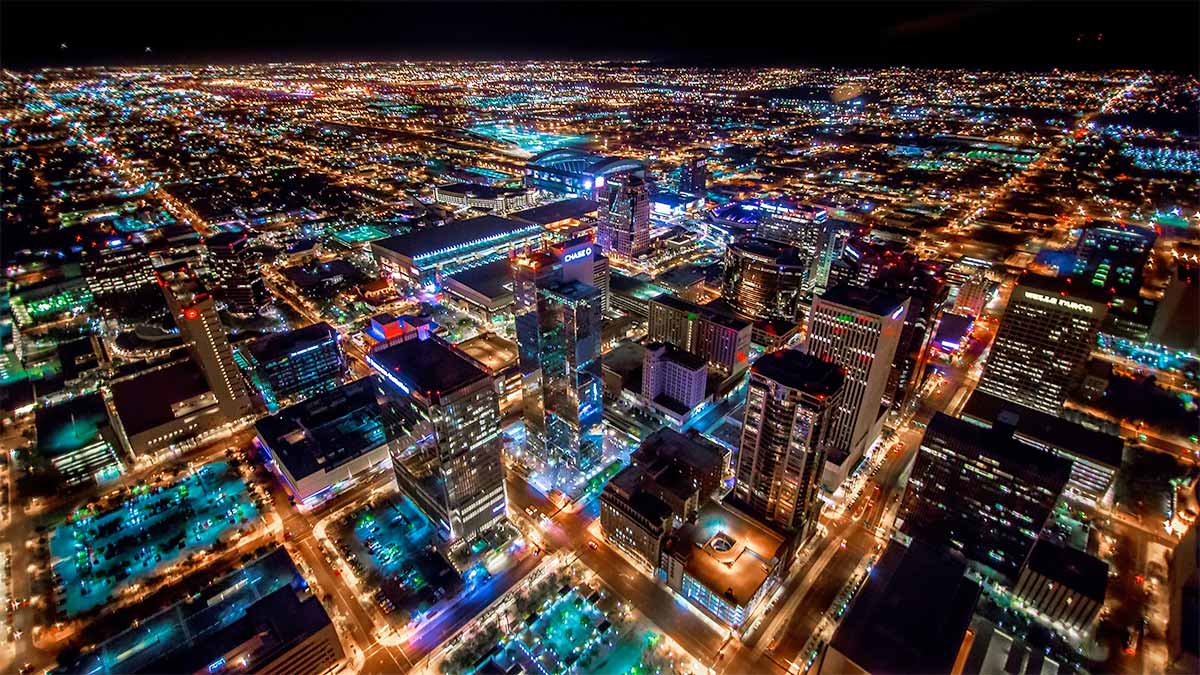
x=442, y=414
x=567, y=171
x=294, y=365
x=1112, y=256
x=558, y=317
x=263, y=618
x=327, y=443
x=420, y=259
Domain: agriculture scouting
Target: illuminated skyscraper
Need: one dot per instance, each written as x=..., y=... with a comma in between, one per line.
x=764, y=279
x=858, y=329
x=558, y=320
x=693, y=176
x=201, y=328
x=791, y=406
x=443, y=423
x=1043, y=342
x=237, y=281
x=121, y=280
x=623, y=231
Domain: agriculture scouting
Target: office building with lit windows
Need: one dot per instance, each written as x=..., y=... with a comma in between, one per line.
x=797, y=224
x=623, y=219
x=765, y=279
x=1112, y=256
x=693, y=176
x=236, y=279
x=558, y=322
x=673, y=381
x=443, y=425
x=1048, y=331
x=859, y=329
x=121, y=279
x=832, y=244
x=721, y=340
x=981, y=492
x=294, y=365
x=201, y=328
x=791, y=407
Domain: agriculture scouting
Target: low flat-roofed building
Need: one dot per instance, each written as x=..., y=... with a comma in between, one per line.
x=910, y=617
x=1062, y=587
x=633, y=517
x=485, y=197
x=484, y=291
x=500, y=357
x=726, y=563
x=164, y=407
x=262, y=618
x=76, y=437
x=328, y=442
x=622, y=370
x=567, y=215
x=631, y=294
x=703, y=463
x=1095, y=455
x=418, y=259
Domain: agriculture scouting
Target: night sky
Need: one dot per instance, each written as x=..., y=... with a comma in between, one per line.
x=978, y=35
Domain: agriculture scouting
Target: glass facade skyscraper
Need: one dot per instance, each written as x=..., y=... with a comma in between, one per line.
x=764, y=279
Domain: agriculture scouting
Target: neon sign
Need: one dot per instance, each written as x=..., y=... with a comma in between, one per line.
x=576, y=255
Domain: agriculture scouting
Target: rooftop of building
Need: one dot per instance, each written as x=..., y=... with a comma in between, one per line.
x=1085, y=574
x=478, y=191
x=327, y=430
x=567, y=209
x=279, y=345
x=1064, y=287
x=870, y=300
x=629, y=483
x=727, y=551
x=463, y=233
x=776, y=252
x=491, y=350
x=572, y=290
x=492, y=280
x=702, y=311
x=1074, y=438
x=70, y=425
x=226, y=239
x=911, y=615
x=625, y=358
x=672, y=353
x=429, y=365
x=147, y=400
x=669, y=446
x=998, y=443
x=796, y=370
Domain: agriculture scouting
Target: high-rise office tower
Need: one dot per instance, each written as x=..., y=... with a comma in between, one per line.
x=830, y=247
x=1042, y=345
x=558, y=321
x=675, y=375
x=981, y=492
x=693, y=176
x=800, y=225
x=921, y=281
x=791, y=406
x=764, y=279
x=858, y=329
x=723, y=341
x=237, y=282
x=443, y=424
x=601, y=275
x=973, y=295
x=623, y=230
x=201, y=328
x=121, y=280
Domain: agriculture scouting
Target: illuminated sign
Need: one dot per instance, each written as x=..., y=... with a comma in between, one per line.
x=1061, y=302
x=576, y=255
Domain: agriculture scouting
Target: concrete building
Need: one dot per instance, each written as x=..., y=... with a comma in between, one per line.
x=858, y=329
x=500, y=357
x=634, y=518
x=163, y=407
x=327, y=443
x=443, y=422
x=120, y=277
x=725, y=563
x=791, y=408
x=1062, y=587
x=236, y=279
x=723, y=341
x=201, y=328
x=1048, y=331
x=673, y=381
